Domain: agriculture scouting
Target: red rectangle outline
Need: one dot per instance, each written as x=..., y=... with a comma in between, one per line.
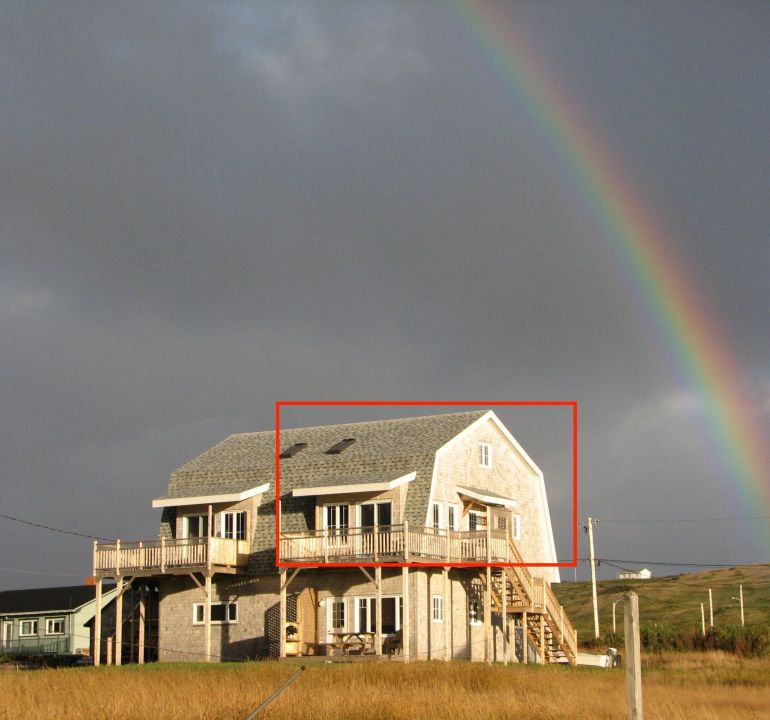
x=358, y=403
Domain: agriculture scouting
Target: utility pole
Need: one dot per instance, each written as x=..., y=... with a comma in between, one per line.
x=590, y=523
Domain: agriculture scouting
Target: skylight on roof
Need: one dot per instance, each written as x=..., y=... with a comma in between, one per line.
x=340, y=446
x=293, y=450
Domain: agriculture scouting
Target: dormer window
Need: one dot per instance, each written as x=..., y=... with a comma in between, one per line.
x=485, y=455
x=341, y=446
x=293, y=450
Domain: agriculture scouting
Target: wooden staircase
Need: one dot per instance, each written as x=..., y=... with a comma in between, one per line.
x=548, y=628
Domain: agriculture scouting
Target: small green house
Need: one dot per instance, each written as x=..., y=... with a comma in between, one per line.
x=48, y=620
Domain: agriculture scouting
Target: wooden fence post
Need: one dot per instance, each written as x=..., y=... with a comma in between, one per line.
x=633, y=656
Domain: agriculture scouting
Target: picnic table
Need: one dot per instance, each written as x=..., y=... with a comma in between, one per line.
x=352, y=643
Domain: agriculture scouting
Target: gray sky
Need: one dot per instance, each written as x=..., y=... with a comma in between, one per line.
x=205, y=207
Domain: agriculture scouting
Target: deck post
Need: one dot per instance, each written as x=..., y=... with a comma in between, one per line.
x=405, y=624
x=406, y=541
x=142, y=621
x=207, y=615
x=110, y=647
x=119, y=623
x=282, y=613
x=447, y=617
x=209, y=535
x=378, y=611
x=504, y=623
x=162, y=554
x=117, y=558
x=98, y=621
x=542, y=638
x=524, y=638
x=488, y=617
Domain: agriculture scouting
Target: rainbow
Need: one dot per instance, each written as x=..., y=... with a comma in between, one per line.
x=668, y=294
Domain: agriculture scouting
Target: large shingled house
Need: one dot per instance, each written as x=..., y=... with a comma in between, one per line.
x=399, y=527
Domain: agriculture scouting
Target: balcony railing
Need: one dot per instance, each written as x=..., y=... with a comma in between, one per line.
x=161, y=556
x=395, y=543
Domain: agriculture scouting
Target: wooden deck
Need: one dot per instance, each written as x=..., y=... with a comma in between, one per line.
x=396, y=543
x=168, y=557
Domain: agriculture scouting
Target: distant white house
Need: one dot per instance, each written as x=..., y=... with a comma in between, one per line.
x=643, y=574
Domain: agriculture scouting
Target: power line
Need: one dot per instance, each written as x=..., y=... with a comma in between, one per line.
x=682, y=520
x=39, y=572
x=52, y=529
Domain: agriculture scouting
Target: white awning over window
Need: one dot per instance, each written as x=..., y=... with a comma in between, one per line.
x=162, y=502
x=487, y=498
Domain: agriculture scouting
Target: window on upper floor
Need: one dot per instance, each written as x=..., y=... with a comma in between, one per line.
x=517, y=527
x=453, y=516
x=234, y=525
x=196, y=526
x=437, y=516
x=485, y=455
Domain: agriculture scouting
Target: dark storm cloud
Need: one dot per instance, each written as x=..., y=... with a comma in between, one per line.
x=206, y=207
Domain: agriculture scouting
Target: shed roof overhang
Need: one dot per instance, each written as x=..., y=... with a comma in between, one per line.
x=487, y=498
x=162, y=502
x=343, y=488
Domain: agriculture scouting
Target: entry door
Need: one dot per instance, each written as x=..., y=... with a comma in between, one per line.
x=7, y=634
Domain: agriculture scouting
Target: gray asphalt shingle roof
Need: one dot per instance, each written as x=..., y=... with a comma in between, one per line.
x=384, y=449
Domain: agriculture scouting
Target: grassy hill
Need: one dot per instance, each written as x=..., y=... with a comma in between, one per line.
x=674, y=600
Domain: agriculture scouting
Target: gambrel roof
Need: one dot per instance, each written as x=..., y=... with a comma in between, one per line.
x=383, y=450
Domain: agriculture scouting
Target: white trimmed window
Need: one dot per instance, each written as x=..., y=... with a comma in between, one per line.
x=234, y=525
x=485, y=455
x=196, y=526
x=438, y=609
x=222, y=613
x=337, y=614
x=517, y=527
x=54, y=626
x=453, y=516
x=437, y=516
x=475, y=613
x=28, y=628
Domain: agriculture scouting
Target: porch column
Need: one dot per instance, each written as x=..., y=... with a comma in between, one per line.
x=488, y=617
x=378, y=611
x=282, y=614
x=119, y=623
x=141, y=624
x=207, y=615
x=524, y=638
x=504, y=623
x=405, y=625
x=98, y=622
x=448, y=617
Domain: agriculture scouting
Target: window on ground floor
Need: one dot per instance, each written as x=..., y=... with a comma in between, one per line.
x=366, y=615
x=222, y=613
x=54, y=626
x=27, y=628
x=438, y=608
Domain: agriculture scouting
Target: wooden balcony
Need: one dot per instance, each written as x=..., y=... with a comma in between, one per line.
x=174, y=556
x=396, y=543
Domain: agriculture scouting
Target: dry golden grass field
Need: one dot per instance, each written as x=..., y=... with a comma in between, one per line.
x=703, y=686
